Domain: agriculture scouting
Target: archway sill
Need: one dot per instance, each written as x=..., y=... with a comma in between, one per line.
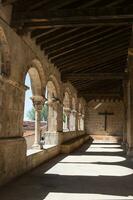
x=36, y=151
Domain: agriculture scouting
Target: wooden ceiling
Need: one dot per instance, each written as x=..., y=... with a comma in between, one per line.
x=87, y=40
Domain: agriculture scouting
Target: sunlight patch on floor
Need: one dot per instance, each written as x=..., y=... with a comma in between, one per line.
x=92, y=159
x=106, y=145
x=68, y=169
x=78, y=196
x=98, y=149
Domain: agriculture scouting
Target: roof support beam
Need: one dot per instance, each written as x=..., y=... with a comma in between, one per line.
x=95, y=76
x=74, y=17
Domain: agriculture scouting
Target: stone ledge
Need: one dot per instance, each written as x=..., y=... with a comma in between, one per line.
x=41, y=156
x=71, y=145
x=35, y=151
x=12, y=153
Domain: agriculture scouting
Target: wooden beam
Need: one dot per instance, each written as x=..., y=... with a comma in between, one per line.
x=90, y=48
x=66, y=51
x=58, y=36
x=59, y=42
x=93, y=53
x=82, y=40
x=93, y=58
x=96, y=94
x=94, y=76
x=50, y=5
x=92, y=62
x=37, y=34
x=6, y=2
x=74, y=17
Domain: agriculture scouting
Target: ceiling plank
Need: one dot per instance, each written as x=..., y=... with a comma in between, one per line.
x=74, y=17
x=94, y=76
x=60, y=53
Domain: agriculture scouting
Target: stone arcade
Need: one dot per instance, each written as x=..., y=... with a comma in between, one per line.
x=82, y=53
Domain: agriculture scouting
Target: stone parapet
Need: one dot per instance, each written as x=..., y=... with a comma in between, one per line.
x=12, y=158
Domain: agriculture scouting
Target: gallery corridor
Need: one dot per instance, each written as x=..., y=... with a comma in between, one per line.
x=99, y=171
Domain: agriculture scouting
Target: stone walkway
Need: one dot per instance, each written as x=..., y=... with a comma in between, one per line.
x=97, y=172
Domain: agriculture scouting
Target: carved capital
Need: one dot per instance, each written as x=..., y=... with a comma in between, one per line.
x=67, y=110
x=38, y=102
x=73, y=111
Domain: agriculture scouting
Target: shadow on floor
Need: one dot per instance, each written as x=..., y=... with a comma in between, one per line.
x=84, y=172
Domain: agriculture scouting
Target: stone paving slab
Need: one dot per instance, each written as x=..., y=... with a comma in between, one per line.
x=83, y=175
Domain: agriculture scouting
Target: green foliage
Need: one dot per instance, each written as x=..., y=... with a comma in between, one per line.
x=64, y=117
x=44, y=113
x=31, y=114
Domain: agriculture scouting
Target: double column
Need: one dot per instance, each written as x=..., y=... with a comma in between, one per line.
x=73, y=120
x=52, y=116
x=67, y=112
x=38, y=102
x=130, y=109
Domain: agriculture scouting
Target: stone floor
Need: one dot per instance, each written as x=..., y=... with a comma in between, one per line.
x=97, y=172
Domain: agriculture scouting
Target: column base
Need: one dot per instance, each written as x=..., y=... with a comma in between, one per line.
x=11, y=148
x=36, y=146
x=130, y=153
x=51, y=138
x=124, y=146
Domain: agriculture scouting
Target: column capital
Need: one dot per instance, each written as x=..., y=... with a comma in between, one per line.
x=73, y=111
x=79, y=114
x=38, y=102
x=83, y=116
x=67, y=110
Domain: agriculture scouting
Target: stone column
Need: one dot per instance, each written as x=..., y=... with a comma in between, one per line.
x=79, y=121
x=73, y=120
x=67, y=111
x=82, y=124
x=59, y=117
x=38, y=102
x=76, y=121
x=130, y=109
x=125, y=102
x=52, y=116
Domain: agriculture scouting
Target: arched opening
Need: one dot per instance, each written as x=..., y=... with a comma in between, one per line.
x=73, y=115
x=66, y=112
x=4, y=55
x=52, y=112
x=52, y=107
x=81, y=112
x=79, y=116
x=33, y=109
x=82, y=119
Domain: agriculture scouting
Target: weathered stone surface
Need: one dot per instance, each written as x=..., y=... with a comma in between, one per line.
x=13, y=158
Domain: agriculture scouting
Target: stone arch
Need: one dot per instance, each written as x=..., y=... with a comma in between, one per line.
x=66, y=100
x=51, y=89
x=81, y=112
x=5, y=63
x=37, y=76
x=56, y=84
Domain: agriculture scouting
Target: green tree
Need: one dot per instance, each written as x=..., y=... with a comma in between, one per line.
x=44, y=113
x=31, y=114
x=64, y=117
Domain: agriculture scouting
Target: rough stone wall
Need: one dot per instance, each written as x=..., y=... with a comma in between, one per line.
x=95, y=123
x=23, y=51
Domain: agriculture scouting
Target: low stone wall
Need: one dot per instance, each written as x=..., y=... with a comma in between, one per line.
x=66, y=136
x=29, y=140
x=12, y=158
x=36, y=159
x=107, y=138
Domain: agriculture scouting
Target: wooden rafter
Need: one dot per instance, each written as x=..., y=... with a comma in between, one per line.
x=95, y=76
x=75, y=17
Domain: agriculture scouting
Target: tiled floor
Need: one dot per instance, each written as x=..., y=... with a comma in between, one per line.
x=97, y=172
